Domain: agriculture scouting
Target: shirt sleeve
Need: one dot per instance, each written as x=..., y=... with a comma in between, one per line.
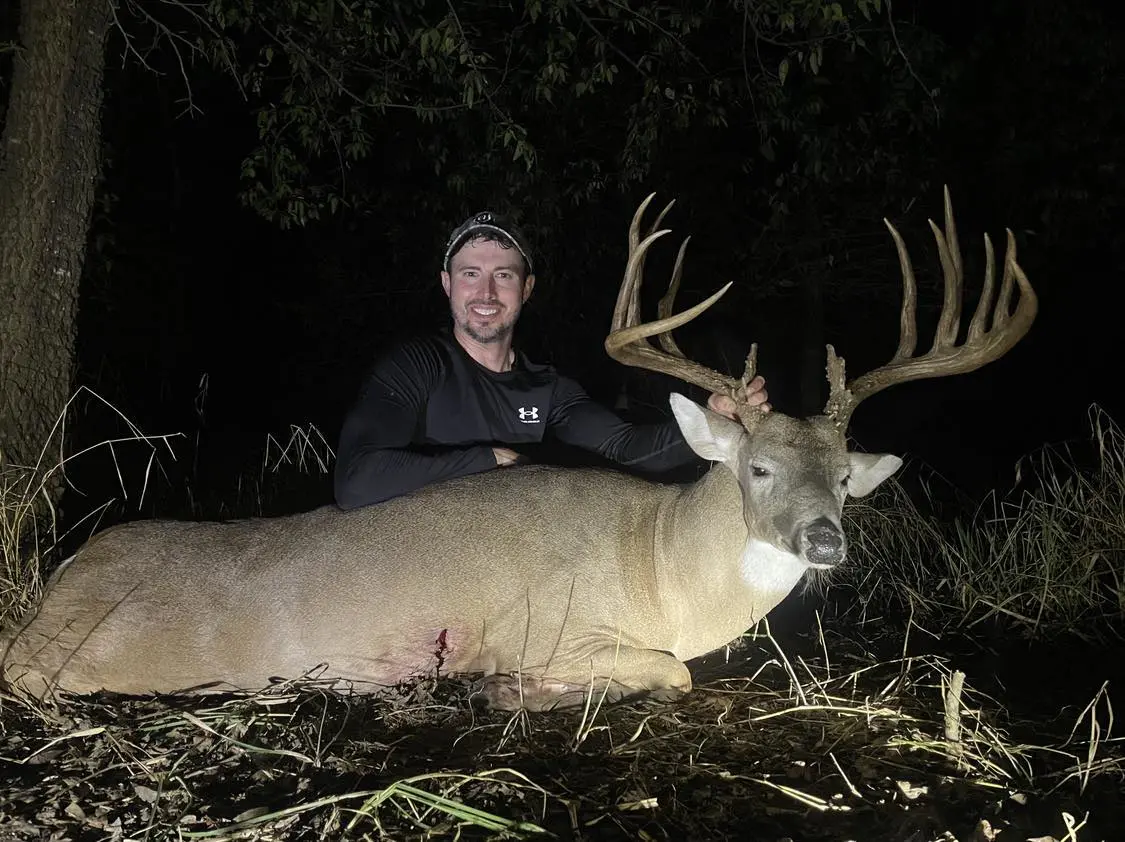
x=579, y=420
x=377, y=457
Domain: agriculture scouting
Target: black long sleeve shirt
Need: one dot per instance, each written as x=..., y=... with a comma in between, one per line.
x=428, y=412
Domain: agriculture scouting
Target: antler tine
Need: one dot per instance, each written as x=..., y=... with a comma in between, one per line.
x=631, y=289
x=1012, y=272
x=949, y=253
x=664, y=311
x=665, y=305
x=980, y=315
x=982, y=344
x=628, y=342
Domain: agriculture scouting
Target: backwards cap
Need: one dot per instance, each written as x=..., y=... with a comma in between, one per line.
x=485, y=222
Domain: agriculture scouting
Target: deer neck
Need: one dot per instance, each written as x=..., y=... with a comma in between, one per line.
x=704, y=524
x=715, y=578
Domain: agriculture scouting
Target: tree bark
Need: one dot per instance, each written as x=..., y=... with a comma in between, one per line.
x=50, y=156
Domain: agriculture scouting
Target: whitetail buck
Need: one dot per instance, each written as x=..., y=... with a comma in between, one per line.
x=550, y=582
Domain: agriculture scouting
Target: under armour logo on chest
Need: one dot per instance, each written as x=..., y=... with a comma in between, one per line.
x=529, y=416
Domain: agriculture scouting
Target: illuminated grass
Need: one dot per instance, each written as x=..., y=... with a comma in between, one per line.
x=1046, y=560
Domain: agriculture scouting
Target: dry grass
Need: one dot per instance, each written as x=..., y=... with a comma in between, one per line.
x=899, y=749
x=29, y=523
x=1046, y=560
x=26, y=520
x=270, y=480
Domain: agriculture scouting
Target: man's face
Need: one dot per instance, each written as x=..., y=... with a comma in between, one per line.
x=486, y=290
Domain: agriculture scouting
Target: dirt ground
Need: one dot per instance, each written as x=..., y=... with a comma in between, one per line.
x=822, y=736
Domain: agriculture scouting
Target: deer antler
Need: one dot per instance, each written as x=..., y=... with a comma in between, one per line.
x=982, y=344
x=628, y=339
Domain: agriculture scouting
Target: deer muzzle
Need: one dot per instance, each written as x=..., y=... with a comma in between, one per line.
x=822, y=543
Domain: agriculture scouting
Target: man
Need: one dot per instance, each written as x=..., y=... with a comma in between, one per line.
x=463, y=401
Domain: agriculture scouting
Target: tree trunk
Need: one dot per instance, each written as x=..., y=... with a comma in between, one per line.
x=49, y=163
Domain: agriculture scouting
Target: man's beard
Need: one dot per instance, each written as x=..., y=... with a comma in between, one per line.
x=494, y=332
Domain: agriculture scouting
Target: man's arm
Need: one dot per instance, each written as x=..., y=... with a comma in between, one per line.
x=579, y=420
x=377, y=458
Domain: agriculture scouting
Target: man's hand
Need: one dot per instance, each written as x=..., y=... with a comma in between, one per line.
x=754, y=395
x=505, y=457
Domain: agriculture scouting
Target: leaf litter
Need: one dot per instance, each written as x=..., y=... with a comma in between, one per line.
x=775, y=743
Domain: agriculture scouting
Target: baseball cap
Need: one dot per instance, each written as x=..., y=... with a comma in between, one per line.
x=485, y=222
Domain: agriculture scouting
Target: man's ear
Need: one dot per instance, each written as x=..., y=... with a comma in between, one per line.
x=528, y=285
x=445, y=281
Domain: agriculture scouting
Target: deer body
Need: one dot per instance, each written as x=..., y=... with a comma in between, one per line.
x=570, y=578
x=551, y=582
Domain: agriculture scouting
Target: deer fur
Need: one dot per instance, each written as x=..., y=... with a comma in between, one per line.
x=549, y=582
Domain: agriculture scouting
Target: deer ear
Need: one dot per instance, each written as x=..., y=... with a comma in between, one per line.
x=869, y=470
x=709, y=434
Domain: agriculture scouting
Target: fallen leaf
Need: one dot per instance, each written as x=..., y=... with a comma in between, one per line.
x=149, y=796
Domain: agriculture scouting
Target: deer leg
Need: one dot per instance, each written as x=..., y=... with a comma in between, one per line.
x=610, y=673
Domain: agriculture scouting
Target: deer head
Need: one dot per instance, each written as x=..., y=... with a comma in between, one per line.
x=794, y=474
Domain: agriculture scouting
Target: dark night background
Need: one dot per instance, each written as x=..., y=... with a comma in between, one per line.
x=203, y=320
x=183, y=283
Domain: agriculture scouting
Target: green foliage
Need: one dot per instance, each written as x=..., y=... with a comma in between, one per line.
x=553, y=101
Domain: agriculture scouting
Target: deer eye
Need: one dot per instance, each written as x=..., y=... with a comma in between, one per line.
x=759, y=471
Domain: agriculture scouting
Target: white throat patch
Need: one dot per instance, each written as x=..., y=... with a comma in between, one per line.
x=766, y=569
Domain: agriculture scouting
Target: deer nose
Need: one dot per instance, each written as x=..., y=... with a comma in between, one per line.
x=822, y=542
